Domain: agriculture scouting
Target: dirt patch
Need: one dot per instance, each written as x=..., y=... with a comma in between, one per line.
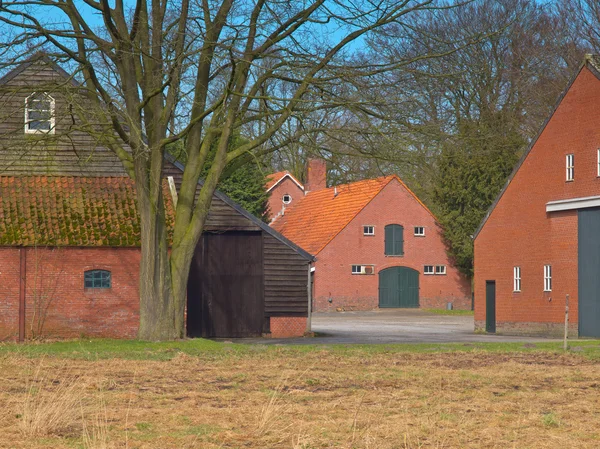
x=317, y=399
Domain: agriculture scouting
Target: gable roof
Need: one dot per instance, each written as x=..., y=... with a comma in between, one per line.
x=321, y=215
x=243, y=212
x=71, y=211
x=276, y=178
x=591, y=62
x=39, y=56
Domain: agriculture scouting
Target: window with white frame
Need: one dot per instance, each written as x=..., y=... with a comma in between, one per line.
x=517, y=279
x=363, y=269
x=419, y=231
x=428, y=269
x=287, y=199
x=570, y=161
x=368, y=230
x=547, y=278
x=39, y=113
x=598, y=161
x=440, y=269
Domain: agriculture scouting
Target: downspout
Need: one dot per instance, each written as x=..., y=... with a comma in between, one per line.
x=309, y=290
x=22, y=279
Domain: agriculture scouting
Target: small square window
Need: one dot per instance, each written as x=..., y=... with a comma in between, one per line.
x=428, y=269
x=440, y=269
x=517, y=279
x=287, y=199
x=420, y=231
x=368, y=230
x=547, y=278
x=570, y=162
x=97, y=279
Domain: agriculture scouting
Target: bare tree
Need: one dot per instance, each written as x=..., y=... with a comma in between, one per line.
x=198, y=72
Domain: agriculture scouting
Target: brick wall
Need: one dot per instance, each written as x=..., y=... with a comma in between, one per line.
x=519, y=232
x=287, y=326
x=57, y=305
x=335, y=287
x=285, y=187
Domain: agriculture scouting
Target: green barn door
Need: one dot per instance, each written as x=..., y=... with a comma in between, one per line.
x=399, y=287
x=588, y=269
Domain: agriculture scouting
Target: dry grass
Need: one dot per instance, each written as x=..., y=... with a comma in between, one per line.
x=318, y=399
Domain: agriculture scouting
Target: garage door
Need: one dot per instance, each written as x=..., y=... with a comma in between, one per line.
x=399, y=287
x=589, y=268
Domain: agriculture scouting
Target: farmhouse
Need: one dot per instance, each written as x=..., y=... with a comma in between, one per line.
x=376, y=245
x=69, y=232
x=540, y=241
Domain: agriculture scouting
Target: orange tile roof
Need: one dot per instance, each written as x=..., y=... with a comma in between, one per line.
x=71, y=211
x=318, y=217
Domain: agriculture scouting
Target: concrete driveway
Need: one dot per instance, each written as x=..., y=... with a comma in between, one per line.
x=393, y=326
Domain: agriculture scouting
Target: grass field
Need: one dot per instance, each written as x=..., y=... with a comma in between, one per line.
x=200, y=394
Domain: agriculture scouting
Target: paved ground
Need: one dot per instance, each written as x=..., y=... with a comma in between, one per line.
x=393, y=326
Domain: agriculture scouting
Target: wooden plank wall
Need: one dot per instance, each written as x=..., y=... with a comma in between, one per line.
x=71, y=150
x=286, y=279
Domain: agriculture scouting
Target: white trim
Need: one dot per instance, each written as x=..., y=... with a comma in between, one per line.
x=443, y=272
x=516, y=279
x=363, y=269
x=417, y=234
x=547, y=278
x=573, y=203
x=282, y=178
x=428, y=272
x=369, y=233
x=52, y=115
x=598, y=164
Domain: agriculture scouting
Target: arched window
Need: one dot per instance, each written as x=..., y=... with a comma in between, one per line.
x=39, y=113
x=394, y=240
x=97, y=279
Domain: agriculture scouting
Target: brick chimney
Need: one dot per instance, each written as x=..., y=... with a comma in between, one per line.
x=316, y=176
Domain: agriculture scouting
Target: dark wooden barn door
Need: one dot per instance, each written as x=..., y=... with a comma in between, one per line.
x=225, y=289
x=589, y=272
x=399, y=287
x=490, y=306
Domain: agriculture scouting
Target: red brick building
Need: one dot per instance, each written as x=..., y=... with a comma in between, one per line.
x=540, y=241
x=70, y=233
x=376, y=245
x=283, y=190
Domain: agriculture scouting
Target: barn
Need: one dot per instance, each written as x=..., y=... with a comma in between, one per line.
x=538, y=248
x=69, y=234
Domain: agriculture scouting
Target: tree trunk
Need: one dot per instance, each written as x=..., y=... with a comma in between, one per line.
x=159, y=320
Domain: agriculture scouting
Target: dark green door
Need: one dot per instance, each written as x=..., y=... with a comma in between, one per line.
x=589, y=272
x=490, y=306
x=399, y=287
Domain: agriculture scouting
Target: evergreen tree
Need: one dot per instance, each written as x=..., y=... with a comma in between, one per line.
x=472, y=169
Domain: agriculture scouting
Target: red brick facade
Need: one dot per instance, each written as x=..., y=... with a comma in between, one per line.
x=287, y=326
x=58, y=305
x=335, y=287
x=519, y=231
x=286, y=187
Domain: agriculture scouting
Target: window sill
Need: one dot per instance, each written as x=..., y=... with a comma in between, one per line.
x=418, y=235
x=569, y=180
x=394, y=255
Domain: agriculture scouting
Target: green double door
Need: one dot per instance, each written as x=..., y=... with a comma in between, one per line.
x=399, y=287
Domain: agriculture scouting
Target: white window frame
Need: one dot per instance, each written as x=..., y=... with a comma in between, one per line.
x=363, y=269
x=427, y=271
x=442, y=270
x=52, y=110
x=517, y=279
x=570, y=167
x=283, y=198
x=367, y=228
x=547, y=278
x=417, y=228
x=598, y=166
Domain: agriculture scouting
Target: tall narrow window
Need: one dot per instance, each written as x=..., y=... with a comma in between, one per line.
x=547, y=278
x=97, y=279
x=570, y=167
x=517, y=279
x=599, y=162
x=39, y=113
x=394, y=240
